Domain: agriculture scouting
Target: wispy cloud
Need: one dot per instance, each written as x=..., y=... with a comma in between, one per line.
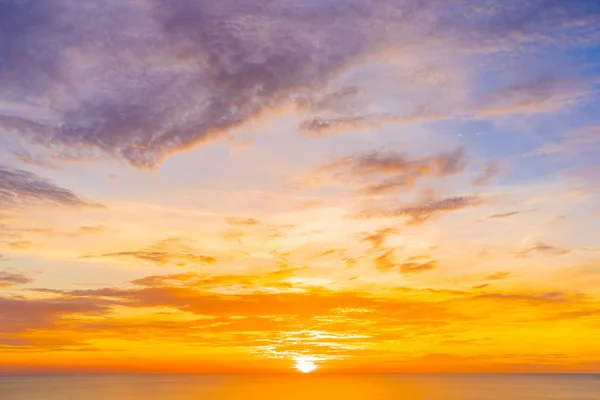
x=491, y=171
x=509, y=214
x=21, y=188
x=169, y=251
x=382, y=172
x=20, y=245
x=542, y=249
x=575, y=142
x=86, y=230
x=543, y=94
x=498, y=276
x=10, y=278
x=243, y=221
x=417, y=267
x=422, y=212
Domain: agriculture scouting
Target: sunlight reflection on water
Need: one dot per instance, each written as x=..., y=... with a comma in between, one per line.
x=331, y=387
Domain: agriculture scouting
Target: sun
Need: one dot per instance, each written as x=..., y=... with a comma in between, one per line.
x=304, y=365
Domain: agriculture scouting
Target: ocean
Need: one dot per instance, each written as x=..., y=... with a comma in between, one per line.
x=301, y=387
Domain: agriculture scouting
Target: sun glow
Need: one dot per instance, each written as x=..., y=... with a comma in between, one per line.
x=305, y=365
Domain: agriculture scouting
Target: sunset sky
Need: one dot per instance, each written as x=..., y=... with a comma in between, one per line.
x=232, y=186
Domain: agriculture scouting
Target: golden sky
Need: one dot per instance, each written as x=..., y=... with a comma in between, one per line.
x=386, y=186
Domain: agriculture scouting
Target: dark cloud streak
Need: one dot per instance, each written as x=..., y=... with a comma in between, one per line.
x=12, y=278
x=424, y=211
x=542, y=249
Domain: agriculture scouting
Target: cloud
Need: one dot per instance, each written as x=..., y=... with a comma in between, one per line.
x=243, y=221
x=535, y=19
x=350, y=262
x=11, y=278
x=577, y=142
x=382, y=172
x=252, y=230
x=18, y=314
x=421, y=213
x=417, y=267
x=508, y=214
x=340, y=109
x=165, y=252
x=319, y=125
x=173, y=74
x=549, y=297
x=266, y=317
x=160, y=257
x=386, y=162
x=542, y=249
x=542, y=94
x=385, y=262
x=20, y=245
x=21, y=188
x=211, y=295
x=29, y=233
x=87, y=230
x=379, y=237
x=267, y=314
x=414, y=265
x=498, y=276
x=483, y=286
x=537, y=94
x=489, y=173
x=274, y=279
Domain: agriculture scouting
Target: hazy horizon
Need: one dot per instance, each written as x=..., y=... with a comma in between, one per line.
x=423, y=387
x=283, y=373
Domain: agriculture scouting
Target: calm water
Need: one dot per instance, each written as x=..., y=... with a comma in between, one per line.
x=219, y=387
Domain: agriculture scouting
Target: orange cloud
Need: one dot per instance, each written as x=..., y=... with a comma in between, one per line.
x=385, y=172
x=276, y=319
x=379, y=237
x=162, y=253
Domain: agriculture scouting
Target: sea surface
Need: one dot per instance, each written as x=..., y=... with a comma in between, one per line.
x=309, y=387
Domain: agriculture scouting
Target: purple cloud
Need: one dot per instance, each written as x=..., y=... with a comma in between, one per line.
x=19, y=188
x=140, y=80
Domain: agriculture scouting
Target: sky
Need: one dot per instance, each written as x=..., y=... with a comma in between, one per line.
x=242, y=186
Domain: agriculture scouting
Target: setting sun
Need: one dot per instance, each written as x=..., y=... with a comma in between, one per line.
x=306, y=366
